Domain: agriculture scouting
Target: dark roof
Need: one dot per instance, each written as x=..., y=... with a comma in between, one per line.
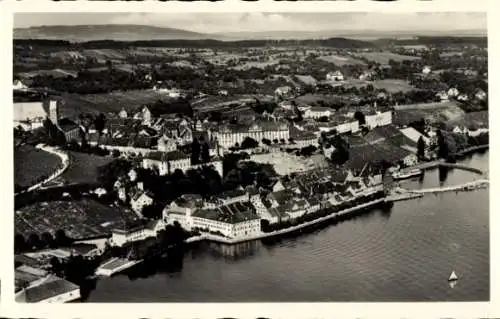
x=232, y=213
x=49, y=289
x=167, y=156
x=67, y=125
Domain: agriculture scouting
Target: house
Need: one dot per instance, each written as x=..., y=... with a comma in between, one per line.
x=453, y=92
x=366, y=75
x=71, y=130
x=283, y=91
x=167, y=144
x=426, y=70
x=123, y=114
x=335, y=76
x=132, y=175
x=378, y=118
x=19, y=86
x=481, y=95
x=181, y=210
x=140, y=200
x=443, y=96
x=463, y=97
x=143, y=230
x=223, y=93
x=317, y=112
x=414, y=135
x=144, y=115
x=51, y=289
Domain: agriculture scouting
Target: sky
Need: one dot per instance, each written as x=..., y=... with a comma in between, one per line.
x=261, y=22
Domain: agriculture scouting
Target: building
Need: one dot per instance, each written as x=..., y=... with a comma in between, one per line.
x=31, y=112
x=123, y=114
x=426, y=70
x=122, y=236
x=443, y=96
x=481, y=95
x=140, y=200
x=17, y=85
x=283, y=92
x=237, y=220
x=168, y=162
x=317, y=112
x=71, y=130
x=377, y=118
x=49, y=289
x=453, y=92
x=230, y=135
x=414, y=135
x=167, y=144
x=335, y=76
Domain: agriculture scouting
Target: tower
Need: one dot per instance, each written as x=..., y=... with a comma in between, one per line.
x=53, y=112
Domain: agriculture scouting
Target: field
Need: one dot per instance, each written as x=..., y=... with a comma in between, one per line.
x=340, y=60
x=31, y=165
x=472, y=119
x=311, y=99
x=79, y=219
x=432, y=112
x=384, y=57
x=106, y=54
x=390, y=85
x=74, y=104
x=285, y=163
x=56, y=73
x=258, y=65
x=83, y=168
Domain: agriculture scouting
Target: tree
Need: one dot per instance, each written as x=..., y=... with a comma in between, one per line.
x=358, y=115
x=195, y=152
x=249, y=142
x=205, y=152
x=61, y=240
x=100, y=123
x=421, y=147
x=34, y=241
x=47, y=239
x=20, y=244
x=266, y=141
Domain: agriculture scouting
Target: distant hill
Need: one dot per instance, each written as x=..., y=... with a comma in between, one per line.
x=352, y=34
x=116, y=32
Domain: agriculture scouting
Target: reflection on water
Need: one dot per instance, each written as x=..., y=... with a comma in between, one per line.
x=234, y=252
x=443, y=175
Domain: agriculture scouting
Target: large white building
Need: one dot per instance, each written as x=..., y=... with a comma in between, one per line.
x=335, y=76
x=121, y=236
x=377, y=119
x=235, y=221
x=229, y=135
x=317, y=112
x=169, y=162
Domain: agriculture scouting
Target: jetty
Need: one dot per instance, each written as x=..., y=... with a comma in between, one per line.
x=461, y=187
x=114, y=266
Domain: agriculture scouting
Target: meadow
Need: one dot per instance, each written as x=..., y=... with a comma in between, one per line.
x=32, y=165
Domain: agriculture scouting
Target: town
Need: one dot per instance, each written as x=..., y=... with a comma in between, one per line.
x=125, y=151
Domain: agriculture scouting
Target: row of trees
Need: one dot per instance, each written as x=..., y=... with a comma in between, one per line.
x=41, y=241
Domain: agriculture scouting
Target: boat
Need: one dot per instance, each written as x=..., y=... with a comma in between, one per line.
x=453, y=277
x=404, y=175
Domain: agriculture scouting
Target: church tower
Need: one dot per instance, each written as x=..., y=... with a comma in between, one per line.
x=54, y=112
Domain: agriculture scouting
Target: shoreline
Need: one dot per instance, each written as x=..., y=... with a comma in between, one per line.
x=227, y=241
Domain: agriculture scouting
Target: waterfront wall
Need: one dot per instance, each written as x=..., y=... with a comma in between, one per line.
x=262, y=235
